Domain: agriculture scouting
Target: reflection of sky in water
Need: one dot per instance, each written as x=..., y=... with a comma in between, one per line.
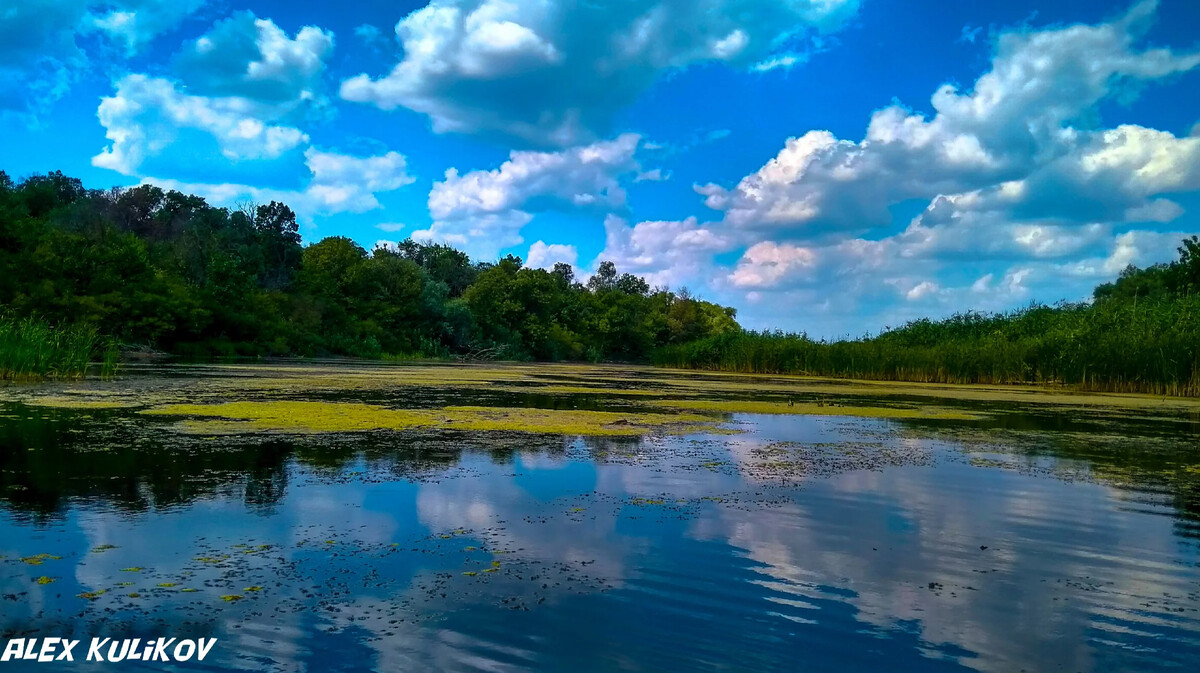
x=670, y=557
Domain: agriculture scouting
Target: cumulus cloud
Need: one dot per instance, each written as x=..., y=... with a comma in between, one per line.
x=543, y=256
x=666, y=253
x=40, y=56
x=485, y=210
x=554, y=72
x=767, y=264
x=1018, y=134
x=146, y=114
x=338, y=183
x=252, y=58
x=241, y=89
x=1024, y=187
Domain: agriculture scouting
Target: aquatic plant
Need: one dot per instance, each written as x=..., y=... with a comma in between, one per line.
x=34, y=349
x=1148, y=346
x=302, y=416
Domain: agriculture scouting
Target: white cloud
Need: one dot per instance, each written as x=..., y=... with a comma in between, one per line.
x=485, y=210
x=252, y=58
x=766, y=264
x=554, y=72
x=243, y=87
x=390, y=227
x=338, y=183
x=543, y=256
x=1015, y=124
x=1026, y=192
x=666, y=253
x=145, y=115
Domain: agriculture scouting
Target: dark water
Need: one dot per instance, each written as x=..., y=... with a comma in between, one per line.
x=803, y=544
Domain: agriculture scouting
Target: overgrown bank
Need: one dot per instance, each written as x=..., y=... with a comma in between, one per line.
x=166, y=271
x=162, y=270
x=33, y=349
x=1139, y=334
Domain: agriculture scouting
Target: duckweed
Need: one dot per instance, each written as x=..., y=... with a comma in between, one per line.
x=315, y=417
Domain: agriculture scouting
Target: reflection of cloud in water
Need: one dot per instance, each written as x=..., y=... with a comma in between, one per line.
x=907, y=543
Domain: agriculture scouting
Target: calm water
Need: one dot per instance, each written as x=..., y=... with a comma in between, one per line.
x=802, y=544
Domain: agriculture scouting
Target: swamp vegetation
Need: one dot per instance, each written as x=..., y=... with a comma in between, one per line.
x=151, y=270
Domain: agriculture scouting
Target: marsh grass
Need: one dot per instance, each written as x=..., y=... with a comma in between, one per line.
x=33, y=349
x=1152, y=346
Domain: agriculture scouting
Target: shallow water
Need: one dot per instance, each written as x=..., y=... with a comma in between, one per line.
x=1038, y=541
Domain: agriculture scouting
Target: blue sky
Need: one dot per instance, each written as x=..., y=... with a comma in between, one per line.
x=833, y=166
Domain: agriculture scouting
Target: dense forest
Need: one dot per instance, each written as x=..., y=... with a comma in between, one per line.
x=1140, y=333
x=85, y=274
x=163, y=271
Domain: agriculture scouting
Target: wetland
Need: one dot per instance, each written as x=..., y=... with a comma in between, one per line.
x=341, y=515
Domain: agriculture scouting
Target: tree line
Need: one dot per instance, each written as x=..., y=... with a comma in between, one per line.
x=144, y=268
x=1140, y=333
x=166, y=271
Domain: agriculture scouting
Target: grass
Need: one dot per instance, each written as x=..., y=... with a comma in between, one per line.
x=32, y=349
x=1151, y=346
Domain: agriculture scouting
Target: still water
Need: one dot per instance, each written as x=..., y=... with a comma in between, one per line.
x=801, y=543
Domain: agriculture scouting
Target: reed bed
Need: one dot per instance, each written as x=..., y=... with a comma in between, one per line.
x=31, y=349
x=1151, y=346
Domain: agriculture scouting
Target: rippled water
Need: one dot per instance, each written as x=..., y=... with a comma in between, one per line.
x=803, y=543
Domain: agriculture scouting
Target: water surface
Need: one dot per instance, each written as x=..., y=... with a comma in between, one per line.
x=1037, y=540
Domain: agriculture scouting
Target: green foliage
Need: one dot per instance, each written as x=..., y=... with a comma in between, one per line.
x=164, y=270
x=33, y=349
x=1141, y=334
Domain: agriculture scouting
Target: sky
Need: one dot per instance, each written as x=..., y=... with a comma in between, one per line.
x=829, y=166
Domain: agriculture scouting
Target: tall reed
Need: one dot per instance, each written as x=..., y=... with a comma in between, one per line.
x=1152, y=346
x=33, y=349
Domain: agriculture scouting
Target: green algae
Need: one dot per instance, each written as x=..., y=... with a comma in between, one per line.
x=820, y=409
x=45, y=580
x=230, y=598
x=318, y=417
x=39, y=559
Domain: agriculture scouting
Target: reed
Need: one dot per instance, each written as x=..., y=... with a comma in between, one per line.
x=34, y=349
x=1151, y=346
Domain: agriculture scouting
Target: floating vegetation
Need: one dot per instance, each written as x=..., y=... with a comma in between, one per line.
x=134, y=569
x=99, y=549
x=92, y=595
x=45, y=580
x=256, y=588
x=314, y=417
x=230, y=598
x=39, y=559
x=167, y=585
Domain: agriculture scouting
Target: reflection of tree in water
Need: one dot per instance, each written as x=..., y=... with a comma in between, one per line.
x=53, y=456
x=1155, y=462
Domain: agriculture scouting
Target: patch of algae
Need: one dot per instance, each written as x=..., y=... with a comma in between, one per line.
x=817, y=409
x=316, y=417
x=75, y=402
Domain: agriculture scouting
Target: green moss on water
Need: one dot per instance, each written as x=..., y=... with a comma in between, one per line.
x=316, y=417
